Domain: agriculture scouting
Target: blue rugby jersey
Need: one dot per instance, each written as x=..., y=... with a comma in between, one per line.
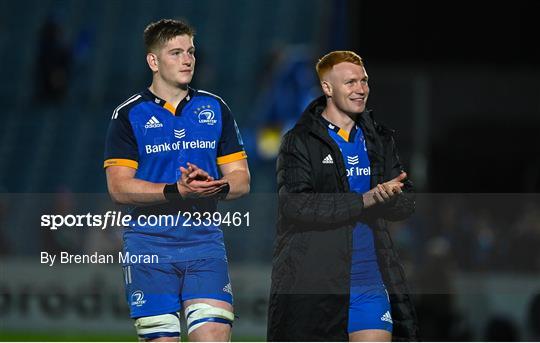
x=364, y=267
x=150, y=135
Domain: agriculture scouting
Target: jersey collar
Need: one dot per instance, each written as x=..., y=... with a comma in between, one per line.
x=168, y=106
x=347, y=136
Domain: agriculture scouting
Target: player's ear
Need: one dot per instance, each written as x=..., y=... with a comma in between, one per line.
x=326, y=88
x=152, y=61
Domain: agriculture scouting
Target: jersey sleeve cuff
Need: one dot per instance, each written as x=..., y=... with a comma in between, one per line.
x=120, y=162
x=240, y=155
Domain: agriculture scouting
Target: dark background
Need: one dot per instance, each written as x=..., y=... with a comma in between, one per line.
x=491, y=146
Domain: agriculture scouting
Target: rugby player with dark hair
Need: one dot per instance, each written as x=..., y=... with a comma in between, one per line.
x=173, y=148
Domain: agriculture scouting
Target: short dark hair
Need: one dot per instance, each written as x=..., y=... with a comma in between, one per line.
x=160, y=32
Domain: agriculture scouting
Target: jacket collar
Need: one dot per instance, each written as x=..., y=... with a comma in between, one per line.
x=312, y=119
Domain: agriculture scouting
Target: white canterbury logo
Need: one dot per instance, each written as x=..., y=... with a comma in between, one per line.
x=152, y=123
x=328, y=160
x=179, y=133
x=353, y=160
x=387, y=317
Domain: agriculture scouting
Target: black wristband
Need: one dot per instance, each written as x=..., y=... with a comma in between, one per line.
x=222, y=194
x=171, y=192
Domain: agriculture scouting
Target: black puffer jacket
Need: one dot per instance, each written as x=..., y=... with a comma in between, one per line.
x=309, y=297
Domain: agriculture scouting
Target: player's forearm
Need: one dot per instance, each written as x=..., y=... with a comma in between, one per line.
x=238, y=183
x=402, y=208
x=320, y=210
x=131, y=191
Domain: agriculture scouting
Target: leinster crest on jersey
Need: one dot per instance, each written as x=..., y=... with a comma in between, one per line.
x=206, y=115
